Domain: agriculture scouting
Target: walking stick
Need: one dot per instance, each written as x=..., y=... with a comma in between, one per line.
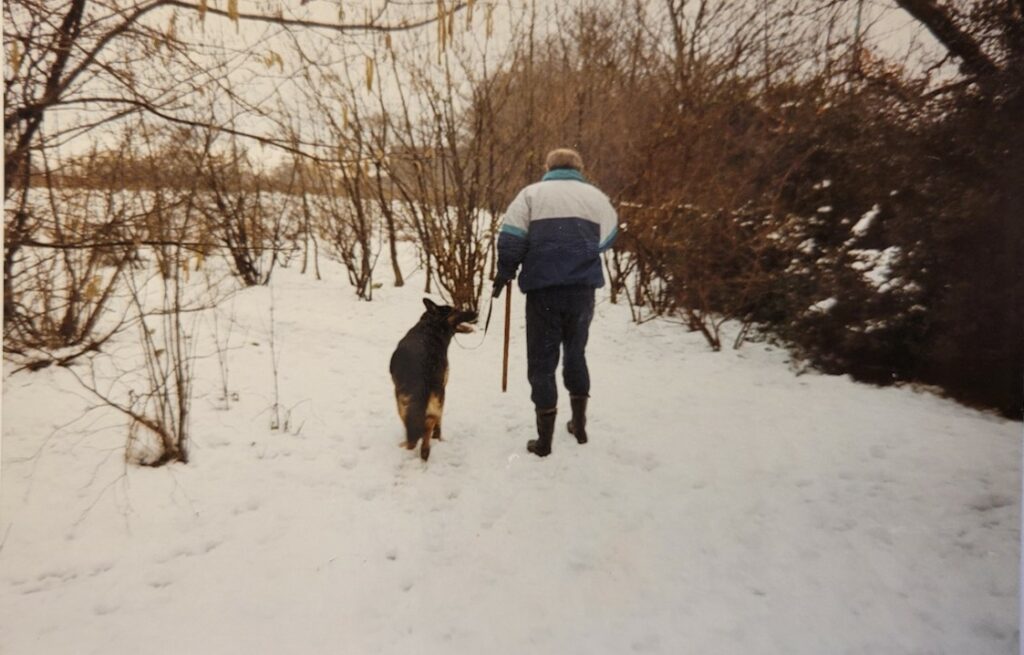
x=508, y=315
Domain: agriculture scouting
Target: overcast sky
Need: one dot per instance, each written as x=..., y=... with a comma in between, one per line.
x=893, y=32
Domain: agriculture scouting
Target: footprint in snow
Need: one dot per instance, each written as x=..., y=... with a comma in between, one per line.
x=101, y=568
x=581, y=562
x=190, y=552
x=250, y=505
x=349, y=462
x=989, y=502
x=370, y=493
x=989, y=629
x=881, y=535
x=644, y=461
x=59, y=576
x=454, y=463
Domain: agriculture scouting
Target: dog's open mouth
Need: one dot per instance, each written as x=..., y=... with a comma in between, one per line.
x=465, y=325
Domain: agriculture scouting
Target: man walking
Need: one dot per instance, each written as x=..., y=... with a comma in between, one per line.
x=557, y=229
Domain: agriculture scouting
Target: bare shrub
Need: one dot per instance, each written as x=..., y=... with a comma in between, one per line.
x=241, y=218
x=153, y=388
x=65, y=252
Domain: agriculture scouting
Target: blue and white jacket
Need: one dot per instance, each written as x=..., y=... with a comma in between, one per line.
x=557, y=229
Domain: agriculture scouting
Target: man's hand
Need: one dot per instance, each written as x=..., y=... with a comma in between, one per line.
x=499, y=284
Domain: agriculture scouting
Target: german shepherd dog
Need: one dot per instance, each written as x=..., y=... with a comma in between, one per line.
x=419, y=369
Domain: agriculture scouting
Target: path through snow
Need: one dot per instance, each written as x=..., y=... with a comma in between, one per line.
x=724, y=505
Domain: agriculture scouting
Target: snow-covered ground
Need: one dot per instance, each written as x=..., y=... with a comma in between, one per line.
x=723, y=505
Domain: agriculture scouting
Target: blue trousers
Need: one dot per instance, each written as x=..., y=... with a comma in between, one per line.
x=558, y=318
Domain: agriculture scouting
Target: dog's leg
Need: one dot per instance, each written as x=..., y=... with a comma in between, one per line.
x=435, y=407
x=413, y=417
x=437, y=403
x=402, y=401
x=431, y=423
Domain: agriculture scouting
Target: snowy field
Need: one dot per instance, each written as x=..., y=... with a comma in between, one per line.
x=724, y=504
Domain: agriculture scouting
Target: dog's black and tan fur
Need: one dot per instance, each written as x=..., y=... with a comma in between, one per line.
x=419, y=369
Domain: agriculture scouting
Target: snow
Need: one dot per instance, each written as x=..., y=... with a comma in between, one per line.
x=824, y=306
x=724, y=504
x=807, y=246
x=864, y=224
x=876, y=265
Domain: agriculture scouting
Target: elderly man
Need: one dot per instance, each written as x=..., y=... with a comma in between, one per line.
x=556, y=229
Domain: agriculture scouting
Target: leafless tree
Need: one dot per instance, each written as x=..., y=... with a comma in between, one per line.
x=95, y=64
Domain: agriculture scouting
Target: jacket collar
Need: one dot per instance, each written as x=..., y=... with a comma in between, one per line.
x=564, y=174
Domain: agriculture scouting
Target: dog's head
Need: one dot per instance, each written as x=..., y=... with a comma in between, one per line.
x=456, y=320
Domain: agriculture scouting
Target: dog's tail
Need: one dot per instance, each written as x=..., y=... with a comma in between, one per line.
x=415, y=422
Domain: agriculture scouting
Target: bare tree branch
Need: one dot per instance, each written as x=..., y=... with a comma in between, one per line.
x=960, y=43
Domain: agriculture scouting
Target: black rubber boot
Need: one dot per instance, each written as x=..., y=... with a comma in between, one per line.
x=578, y=425
x=541, y=446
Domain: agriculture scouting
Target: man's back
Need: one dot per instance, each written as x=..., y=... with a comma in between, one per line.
x=557, y=229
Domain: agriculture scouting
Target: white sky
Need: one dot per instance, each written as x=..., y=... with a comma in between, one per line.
x=894, y=33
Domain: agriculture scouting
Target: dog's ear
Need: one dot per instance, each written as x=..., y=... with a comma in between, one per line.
x=431, y=307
